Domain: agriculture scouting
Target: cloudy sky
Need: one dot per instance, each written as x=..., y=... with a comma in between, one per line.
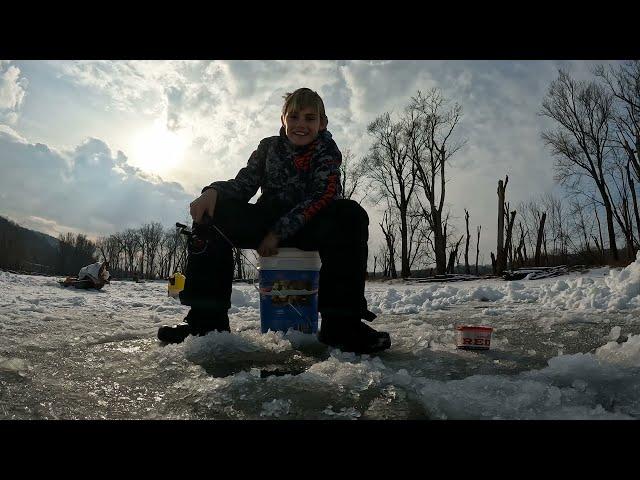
x=100, y=146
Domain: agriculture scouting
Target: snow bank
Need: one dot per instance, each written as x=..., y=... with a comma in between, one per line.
x=616, y=290
x=413, y=299
x=595, y=291
x=625, y=354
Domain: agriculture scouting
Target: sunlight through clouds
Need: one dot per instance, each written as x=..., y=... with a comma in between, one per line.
x=158, y=150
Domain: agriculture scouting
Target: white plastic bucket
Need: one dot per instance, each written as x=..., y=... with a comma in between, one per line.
x=289, y=290
x=473, y=338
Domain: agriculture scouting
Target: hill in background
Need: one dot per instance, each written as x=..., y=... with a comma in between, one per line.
x=26, y=250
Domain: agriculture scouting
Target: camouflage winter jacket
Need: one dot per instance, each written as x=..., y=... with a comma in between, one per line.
x=301, y=181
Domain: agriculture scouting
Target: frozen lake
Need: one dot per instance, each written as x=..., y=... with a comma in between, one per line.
x=562, y=348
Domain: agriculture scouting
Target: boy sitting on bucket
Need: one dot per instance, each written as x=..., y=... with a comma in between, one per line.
x=301, y=206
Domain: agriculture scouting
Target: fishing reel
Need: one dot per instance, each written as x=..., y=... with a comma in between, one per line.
x=195, y=243
x=201, y=233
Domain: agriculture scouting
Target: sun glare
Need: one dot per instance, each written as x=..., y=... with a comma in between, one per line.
x=158, y=150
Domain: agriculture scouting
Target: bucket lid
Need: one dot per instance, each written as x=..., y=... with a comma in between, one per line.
x=473, y=327
x=288, y=252
x=291, y=258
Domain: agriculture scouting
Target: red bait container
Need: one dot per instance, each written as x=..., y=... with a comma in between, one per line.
x=473, y=338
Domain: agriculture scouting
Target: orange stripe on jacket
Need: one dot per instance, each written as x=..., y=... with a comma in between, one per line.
x=315, y=207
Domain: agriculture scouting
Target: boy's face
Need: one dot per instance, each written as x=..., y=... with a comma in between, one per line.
x=302, y=127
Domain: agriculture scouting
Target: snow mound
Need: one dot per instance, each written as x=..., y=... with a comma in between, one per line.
x=579, y=386
x=227, y=347
x=624, y=354
x=432, y=297
x=605, y=289
x=619, y=290
x=624, y=286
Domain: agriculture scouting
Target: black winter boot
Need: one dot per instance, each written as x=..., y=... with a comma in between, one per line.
x=351, y=335
x=197, y=322
x=174, y=333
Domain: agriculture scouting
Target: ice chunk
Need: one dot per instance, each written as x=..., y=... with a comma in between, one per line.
x=15, y=365
x=275, y=408
x=625, y=354
x=350, y=412
x=615, y=333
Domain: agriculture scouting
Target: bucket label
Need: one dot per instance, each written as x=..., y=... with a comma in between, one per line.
x=473, y=339
x=289, y=299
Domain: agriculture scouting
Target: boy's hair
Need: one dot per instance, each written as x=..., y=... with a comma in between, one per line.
x=302, y=98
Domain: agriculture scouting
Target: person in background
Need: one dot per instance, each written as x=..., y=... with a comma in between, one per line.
x=95, y=276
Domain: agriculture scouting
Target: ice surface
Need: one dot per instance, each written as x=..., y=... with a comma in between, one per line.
x=562, y=348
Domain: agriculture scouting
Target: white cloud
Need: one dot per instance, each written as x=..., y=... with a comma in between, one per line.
x=9, y=132
x=83, y=189
x=12, y=91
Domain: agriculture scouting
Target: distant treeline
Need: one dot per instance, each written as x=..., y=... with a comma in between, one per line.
x=150, y=251
x=146, y=252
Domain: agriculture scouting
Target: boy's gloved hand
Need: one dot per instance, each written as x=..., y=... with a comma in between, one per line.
x=205, y=204
x=269, y=245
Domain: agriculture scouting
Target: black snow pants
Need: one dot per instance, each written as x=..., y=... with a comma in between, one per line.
x=339, y=232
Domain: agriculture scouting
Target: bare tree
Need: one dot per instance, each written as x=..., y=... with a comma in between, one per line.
x=150, y=235
x=375, y=264
x=624, y=82
x=509, y=243
x=389, y=228
x=419, y=234
x=524, y=234
x=351, y=175
x=467, y=269
x=634, y=196
x=558, y=225
x=583, y=226
x=110, y=248
x=164, y=255
x=382, y=257
x=582, y=141
x=534, y=216
x=624, y=186
x=131, y=247
x=432, y=125
x=237, y=260
x=539, y=238
x=478, y=247
x=501, y=259
x=244, y=267
x=453, y=255
x=390, y=170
